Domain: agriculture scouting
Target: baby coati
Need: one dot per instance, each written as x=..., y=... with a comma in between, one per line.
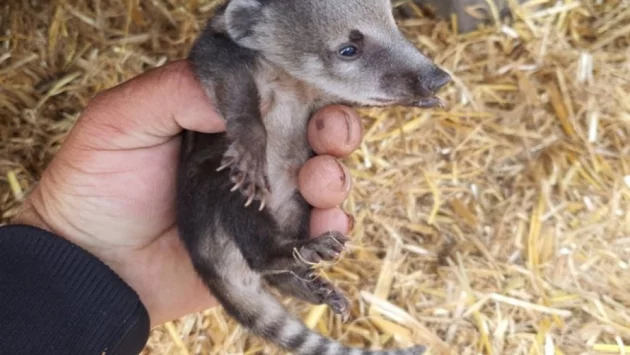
x=267, y=66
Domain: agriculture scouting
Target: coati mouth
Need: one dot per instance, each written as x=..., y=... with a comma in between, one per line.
x=425, y=102
x=382, y=101
x=431, y=102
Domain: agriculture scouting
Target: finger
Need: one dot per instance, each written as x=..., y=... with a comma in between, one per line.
x=149, y=110
x=332, y=219
x=324, y=182
x=335, y=130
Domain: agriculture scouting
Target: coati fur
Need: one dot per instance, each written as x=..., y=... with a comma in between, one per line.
x=267, y=66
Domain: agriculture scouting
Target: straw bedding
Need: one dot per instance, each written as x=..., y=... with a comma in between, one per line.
x=498, y=226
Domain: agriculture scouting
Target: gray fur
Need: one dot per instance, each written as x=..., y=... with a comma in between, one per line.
x=268, y=65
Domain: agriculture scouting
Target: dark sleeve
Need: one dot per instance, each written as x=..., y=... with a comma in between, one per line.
x=55, y=298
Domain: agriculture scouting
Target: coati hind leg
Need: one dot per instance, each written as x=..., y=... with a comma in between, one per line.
x=296, y=276
x=301, y=282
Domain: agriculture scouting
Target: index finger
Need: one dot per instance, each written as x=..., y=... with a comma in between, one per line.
x=335, y=130
x=149, y=110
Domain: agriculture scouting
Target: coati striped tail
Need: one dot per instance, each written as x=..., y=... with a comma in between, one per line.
x=263, y=315
x=240, y=291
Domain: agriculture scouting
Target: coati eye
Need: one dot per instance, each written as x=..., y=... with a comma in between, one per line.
x=349, y=52
x=353, y=48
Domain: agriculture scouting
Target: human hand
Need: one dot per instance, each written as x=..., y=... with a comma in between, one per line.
x=111, y=187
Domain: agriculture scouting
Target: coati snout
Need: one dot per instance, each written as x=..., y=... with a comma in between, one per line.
x=430, y=83
x=413, y=89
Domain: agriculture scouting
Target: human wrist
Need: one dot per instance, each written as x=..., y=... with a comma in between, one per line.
x=70, y=293
x=33, y=214
x=29, y=215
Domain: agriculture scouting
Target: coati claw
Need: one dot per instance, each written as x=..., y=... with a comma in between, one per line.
x=340, y=305
x=326, y=247
x=225, y=164
x=240, y=180
x=331, y=296
x=248, y=167
x=249, y=200
x=262, y=204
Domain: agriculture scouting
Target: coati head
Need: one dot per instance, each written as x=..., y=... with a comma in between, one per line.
x=349, y=48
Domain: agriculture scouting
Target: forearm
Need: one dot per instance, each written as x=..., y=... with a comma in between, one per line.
x=56, y=298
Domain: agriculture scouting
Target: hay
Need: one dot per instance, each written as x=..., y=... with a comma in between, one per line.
x=499, y=226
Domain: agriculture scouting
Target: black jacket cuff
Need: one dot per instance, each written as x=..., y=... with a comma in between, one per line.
x=56, y=298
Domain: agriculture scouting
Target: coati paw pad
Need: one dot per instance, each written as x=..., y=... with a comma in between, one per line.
x=248, y=172
x=340, y=305
x=326, y=247
x=331, y=296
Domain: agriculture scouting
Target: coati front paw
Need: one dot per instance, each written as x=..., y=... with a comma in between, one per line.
x=248, y=171
x=326, y=247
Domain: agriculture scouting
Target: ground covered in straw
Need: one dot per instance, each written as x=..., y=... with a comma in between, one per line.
x=498, y=226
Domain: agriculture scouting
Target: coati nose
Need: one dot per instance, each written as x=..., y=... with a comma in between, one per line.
x=439, y=79
x=433, y=81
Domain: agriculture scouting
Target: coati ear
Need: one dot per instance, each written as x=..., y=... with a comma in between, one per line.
x=241, y=18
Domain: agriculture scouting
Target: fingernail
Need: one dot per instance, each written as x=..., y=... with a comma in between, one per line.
x=345, y=182
x=350, y=222
x=346, y=116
